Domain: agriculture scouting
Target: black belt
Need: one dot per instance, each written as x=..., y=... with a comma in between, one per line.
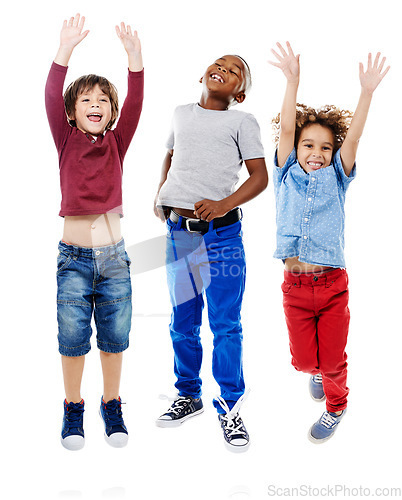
x=202, y=226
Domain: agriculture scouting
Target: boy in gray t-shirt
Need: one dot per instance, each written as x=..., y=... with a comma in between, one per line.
x=206, y=149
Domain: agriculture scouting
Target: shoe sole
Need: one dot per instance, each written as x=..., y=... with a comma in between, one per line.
x=237, y=449
x=73, y=443
x=177, y=422
x=120, y=442
x=318, y=400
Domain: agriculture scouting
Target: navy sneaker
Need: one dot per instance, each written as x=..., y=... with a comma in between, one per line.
x=183, y=408
x=115, y=431
x=72, y=432
x=324, y=428
x=316, y=388
x=234, y=431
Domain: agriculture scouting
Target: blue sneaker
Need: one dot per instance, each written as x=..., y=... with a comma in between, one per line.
x=324, y=428
x=115, y=431
x=72, y=432
x=234, y=432
x=182, y=408
x=316, y=388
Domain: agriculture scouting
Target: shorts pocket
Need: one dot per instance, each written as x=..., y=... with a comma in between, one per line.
x=124, y=259
x=63, y=260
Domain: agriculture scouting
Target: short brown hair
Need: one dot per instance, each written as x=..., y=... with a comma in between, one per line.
x=86, y=83
x=337, y=120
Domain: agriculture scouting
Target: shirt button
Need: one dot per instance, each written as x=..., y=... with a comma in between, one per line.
x=305, y=220
x=309, y=199
x=305, y=237
x=313, y=178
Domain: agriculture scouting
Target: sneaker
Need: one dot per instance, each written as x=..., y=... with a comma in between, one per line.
x=183, y=408
x=115, y=431
x=324, y=428
x=234, y=431
x=72, y=432
x=316, y=388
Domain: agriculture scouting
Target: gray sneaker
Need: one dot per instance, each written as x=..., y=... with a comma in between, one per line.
x=316, y=388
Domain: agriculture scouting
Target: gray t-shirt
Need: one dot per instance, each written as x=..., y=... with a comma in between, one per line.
x=209, y=148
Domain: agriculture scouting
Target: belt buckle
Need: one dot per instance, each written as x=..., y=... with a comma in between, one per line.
x=188, y=225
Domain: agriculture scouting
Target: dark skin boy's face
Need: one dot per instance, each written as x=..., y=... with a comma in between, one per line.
x=225, y=79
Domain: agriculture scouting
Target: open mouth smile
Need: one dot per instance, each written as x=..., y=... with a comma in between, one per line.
x=217, y=78
x=94, y=117
x=315, y=165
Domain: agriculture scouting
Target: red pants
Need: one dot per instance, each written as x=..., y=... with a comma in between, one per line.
x=317, y=317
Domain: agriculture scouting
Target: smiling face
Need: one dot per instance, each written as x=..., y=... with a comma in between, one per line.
x=315, y=147
x=225, y=79
x=93, y=111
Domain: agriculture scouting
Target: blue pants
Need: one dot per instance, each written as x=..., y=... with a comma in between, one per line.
x=214, y=263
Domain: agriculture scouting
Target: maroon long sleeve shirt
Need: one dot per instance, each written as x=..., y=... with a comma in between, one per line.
x=91, y=170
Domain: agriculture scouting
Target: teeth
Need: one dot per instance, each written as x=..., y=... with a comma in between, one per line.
x=217, y=77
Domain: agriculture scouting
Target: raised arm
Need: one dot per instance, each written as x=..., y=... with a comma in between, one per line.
x=289, y=64
x=71, y=35
x=369, y=81
x=132, y=45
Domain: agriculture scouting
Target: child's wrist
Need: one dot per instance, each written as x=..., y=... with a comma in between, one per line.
x=366, y=92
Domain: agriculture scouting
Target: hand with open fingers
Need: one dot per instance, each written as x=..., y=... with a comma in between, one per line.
x=209, y=209
x=371, y=78
x=129, y=39
x=71, y=33
x=288, y=62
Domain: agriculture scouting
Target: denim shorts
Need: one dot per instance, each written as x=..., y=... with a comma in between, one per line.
x=93, y=280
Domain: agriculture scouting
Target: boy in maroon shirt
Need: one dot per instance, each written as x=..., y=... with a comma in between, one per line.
x=93, y=273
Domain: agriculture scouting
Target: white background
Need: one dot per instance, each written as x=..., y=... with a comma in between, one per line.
x=180, y=39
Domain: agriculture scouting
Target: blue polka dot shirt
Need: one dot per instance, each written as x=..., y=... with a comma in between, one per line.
x=310, y=211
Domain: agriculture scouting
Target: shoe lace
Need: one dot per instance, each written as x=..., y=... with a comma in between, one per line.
x=317, y=378
x=113, y=412
x=233, y=422
x=328, y=420
x=178, y=405
x=74, y=414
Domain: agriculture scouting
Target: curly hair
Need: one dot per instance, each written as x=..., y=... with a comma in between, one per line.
x=337, y=120
x=87, y=83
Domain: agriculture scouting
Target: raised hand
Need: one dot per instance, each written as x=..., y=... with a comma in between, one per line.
x=71, y=32
x=130, y=40
x=132, y=44
x=371, y=78
x=70, y=36
x=288, y=62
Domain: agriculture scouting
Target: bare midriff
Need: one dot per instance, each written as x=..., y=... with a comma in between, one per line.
x=294, y=265
x=185, y=212
x=91, y=231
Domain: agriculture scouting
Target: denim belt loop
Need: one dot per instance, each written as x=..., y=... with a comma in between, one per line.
x=76, y=252
x=211, y=225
